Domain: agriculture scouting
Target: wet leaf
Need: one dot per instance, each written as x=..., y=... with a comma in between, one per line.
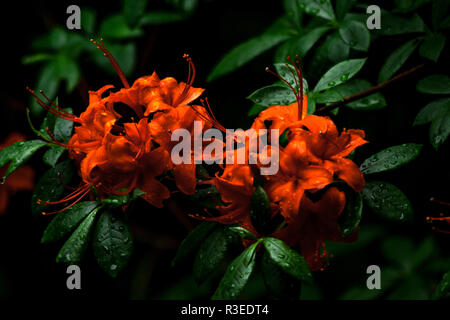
x=396, y=60
x=434, y=84
x=391, y=158
x=387, y=201
x=112, y=243
x=73, y=250
x=339, y=74
x=65, y=222
x=287, y=259
x=237, y=275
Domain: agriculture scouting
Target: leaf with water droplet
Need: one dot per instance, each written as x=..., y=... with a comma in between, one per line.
x=280, y=284
x=319, y=8
x=387, y=201
x=276, y=94
x=237, y=274
x=391, y=158
x=64, y=223
x=355, y=34
x=111, y=245
x=211, y=254
x=18, y=153
x=333, y=76
x=51, y=186
x=74, y=248
x=287, y=259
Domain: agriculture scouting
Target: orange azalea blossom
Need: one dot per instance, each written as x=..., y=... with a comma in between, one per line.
x=317, y=223
x=123, y=142
x=314, y=156
x=20, y=180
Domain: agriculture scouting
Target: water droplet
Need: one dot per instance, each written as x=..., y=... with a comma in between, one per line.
x=113, y=267
x=331, y=83
x=344, y=77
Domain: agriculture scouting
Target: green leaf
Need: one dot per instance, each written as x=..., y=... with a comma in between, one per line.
x=351, y=216
x=52, y=155
x=243, y=233
x=273, y=95
x=73, y=250
x=432, y=47
x=440, y=127
x=115, y=27
x=133, y=10
x=161, y=17
x=391, y=158
x=299, y=44
x=63, y=128
x=434, y=84
x=194, y=239
x=260, y=211
x=125, y=55
x=395, y=25
x=387, y=201
x=442, y=290
x=355, y=34
x=322, y=8
x=65, y=222
x=292, y=9
x=51, y=186
x=112, y=243
x=431, y=111
x=237, y=275
x=250, y=49
x=68, y=70
x=280, y=284
x=332, y=51
x=287, y=259
x=17, y=154
x=339, y=74
x=342, y=7
x=211, y=254
x=395, y=61
x=48, y=81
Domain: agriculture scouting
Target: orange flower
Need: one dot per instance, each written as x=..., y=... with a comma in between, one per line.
x=318, y=222
x=328, y=148
x=20, y=180
x=123, y=139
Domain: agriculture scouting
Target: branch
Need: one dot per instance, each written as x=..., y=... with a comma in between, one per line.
x=370, y=91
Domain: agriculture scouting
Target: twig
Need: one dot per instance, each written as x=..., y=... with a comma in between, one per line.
x=370, y=91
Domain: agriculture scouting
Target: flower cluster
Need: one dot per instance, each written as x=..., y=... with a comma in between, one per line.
x=302, y=191
x=123, y=138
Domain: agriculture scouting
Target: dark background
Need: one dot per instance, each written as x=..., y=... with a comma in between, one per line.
x=28, y=269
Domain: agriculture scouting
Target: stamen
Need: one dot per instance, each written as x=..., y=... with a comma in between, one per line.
x=189, y=81
x=113, y=61
x=69, y=206
x=57, y=111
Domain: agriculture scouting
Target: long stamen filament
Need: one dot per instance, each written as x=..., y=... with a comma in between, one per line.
x=113, y=61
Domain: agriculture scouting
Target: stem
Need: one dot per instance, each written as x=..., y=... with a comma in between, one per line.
x=370, y=91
